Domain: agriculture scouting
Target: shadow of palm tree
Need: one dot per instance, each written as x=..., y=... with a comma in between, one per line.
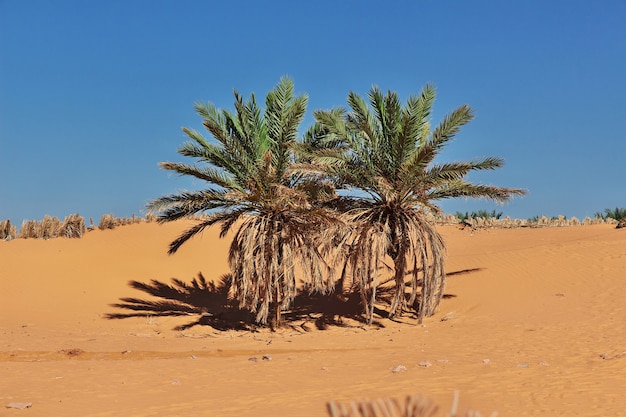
x=212, y=305
x=208, y=300
x=386, y=290
x=343, y=309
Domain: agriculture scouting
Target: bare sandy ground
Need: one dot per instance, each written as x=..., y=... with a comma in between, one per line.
x=535, y=326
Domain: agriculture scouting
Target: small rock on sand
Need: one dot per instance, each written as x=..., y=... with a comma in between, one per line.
x=399, y=368
x=70, y=353
x=19, y=406
x=425, y=364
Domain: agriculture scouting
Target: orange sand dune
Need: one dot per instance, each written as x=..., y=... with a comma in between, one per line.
x=535, y=326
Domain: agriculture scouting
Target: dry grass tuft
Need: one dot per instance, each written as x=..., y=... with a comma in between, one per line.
x=109, y=221
x=29, y=229
x=412, y=406
x=51, y=227
x=48, y=228
x=73, y=226
x=7, y=230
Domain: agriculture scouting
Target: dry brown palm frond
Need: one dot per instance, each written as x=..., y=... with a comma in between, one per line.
x=416, y=251
x=264, y=254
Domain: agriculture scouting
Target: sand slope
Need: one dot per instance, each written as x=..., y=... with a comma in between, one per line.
x=533, y=327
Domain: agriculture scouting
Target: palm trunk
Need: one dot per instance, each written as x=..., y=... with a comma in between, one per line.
x=397, y=252
x=399, y=264
x=277, y=309
x=279, y=281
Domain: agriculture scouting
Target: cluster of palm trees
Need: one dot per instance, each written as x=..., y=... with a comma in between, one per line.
x=346, y=207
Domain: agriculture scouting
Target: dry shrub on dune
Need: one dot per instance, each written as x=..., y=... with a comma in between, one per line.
x=7, y=230
x=29, y=229
x=132, y=219
x=73, y=226
x=49, y=227
x=109, y=221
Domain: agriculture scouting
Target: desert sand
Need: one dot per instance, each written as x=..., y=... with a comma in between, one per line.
x=533, y=324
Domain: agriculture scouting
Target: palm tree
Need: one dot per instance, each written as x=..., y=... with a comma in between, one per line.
x=252, y=188
x=384, y=155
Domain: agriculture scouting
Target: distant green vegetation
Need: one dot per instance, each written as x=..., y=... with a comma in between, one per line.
x=536, y=218
x=484, y=214
x=616, y=214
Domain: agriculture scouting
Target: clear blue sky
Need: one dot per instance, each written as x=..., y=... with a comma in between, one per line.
x=93, y=93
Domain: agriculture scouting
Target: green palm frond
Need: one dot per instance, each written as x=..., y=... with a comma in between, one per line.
x=362, y=122
x=460, y=188
x=226, y=218
x=451, y=125
x=187, y=203
x=333, y=122
x=451, y=171
x=208, y=174
x=443, y=133
x=214, y=120
x=284, y=113
x=415, y=125
x=389, y=115
x=200, y=141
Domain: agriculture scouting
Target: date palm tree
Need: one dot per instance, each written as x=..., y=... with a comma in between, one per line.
x=252, y=188
x=384, y=155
